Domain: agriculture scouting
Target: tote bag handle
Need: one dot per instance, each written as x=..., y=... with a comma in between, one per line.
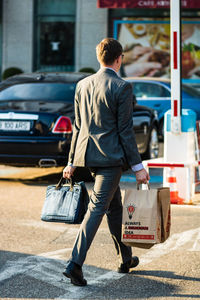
x=63, y=181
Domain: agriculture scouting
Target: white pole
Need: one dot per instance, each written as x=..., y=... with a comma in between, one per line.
x=175, y=31
x=180, y=124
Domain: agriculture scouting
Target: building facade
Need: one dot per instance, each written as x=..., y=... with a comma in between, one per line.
x=50, y=35
x=61, y=35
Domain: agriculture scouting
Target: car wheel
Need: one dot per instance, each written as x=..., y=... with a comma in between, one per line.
x=161, y=130
x=153, y=145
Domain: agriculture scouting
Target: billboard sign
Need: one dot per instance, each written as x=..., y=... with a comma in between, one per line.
x=146, y=44
x=145, y=4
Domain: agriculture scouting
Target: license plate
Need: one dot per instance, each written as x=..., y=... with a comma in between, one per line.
x=15, y=125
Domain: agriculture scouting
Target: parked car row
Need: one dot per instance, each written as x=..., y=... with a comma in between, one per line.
x=156, y=94
x=37, y=115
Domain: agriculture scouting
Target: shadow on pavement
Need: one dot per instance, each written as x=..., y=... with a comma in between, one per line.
x=165, y=274
x=31, y=276
x=35, y=176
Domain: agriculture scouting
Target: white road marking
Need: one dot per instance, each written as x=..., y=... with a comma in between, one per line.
x=45, y=225
x=196, y=245
x=15, y=267
x=46, y=268
x=56, y=254
x=102, y=280
x=174, y=242
x=50, y=271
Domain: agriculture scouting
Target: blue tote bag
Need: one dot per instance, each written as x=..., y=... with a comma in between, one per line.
x=65, y=202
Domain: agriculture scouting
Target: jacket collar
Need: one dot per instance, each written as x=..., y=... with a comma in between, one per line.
x=108, y=71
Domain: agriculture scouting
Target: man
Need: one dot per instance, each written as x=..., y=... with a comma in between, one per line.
x=103, y=140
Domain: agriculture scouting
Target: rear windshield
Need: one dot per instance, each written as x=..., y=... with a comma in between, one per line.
x=63, y=92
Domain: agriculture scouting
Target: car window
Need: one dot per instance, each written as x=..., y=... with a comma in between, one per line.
x=39, y=91
x=190, y=90
x=149, y=90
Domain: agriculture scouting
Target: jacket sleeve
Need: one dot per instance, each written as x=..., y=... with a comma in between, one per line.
x=125, y=125
x=77, y=125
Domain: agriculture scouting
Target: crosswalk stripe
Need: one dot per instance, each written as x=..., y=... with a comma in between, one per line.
x=47, y=267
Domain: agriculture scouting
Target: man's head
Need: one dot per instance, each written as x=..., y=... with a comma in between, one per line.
x=109, y=52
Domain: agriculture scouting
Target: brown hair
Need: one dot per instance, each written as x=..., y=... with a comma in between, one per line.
x=108, y=50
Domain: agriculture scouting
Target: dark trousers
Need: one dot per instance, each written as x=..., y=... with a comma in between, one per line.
x=105, y=199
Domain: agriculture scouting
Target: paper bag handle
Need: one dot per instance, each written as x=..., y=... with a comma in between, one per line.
x=138, y=186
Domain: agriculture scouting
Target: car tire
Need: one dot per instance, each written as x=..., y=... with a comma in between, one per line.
x=153, y=145
x=161, y=130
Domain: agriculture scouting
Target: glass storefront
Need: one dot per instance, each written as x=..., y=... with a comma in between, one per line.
x=55, y=35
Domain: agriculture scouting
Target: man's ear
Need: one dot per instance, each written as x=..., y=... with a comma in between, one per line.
x=117, y=60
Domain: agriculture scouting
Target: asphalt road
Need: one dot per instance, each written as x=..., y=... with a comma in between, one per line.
x=34, y=253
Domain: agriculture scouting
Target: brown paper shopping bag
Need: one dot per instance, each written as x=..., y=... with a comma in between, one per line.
x=146, y=217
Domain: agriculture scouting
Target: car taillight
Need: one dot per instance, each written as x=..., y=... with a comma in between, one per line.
x=63, y=125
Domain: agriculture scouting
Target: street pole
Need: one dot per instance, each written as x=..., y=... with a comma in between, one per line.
x=180, y=124
x=175, y=35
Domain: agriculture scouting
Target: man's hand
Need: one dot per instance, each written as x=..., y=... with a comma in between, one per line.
x=142, y=176
x=68, y=171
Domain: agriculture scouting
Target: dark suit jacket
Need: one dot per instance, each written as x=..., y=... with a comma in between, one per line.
x=103, y=133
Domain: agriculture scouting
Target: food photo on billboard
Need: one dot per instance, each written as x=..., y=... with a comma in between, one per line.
x=146, y=44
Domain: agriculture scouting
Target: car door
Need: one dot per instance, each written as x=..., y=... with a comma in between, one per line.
x=154, y=95
x=191, y=100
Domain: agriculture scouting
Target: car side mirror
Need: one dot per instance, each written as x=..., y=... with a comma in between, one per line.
x=134, y=100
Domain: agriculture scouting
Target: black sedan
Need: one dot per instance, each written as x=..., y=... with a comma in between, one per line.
x=36, y=120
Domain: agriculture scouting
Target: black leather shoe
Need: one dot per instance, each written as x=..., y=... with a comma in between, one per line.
x=124, y=268
x=74, y=272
